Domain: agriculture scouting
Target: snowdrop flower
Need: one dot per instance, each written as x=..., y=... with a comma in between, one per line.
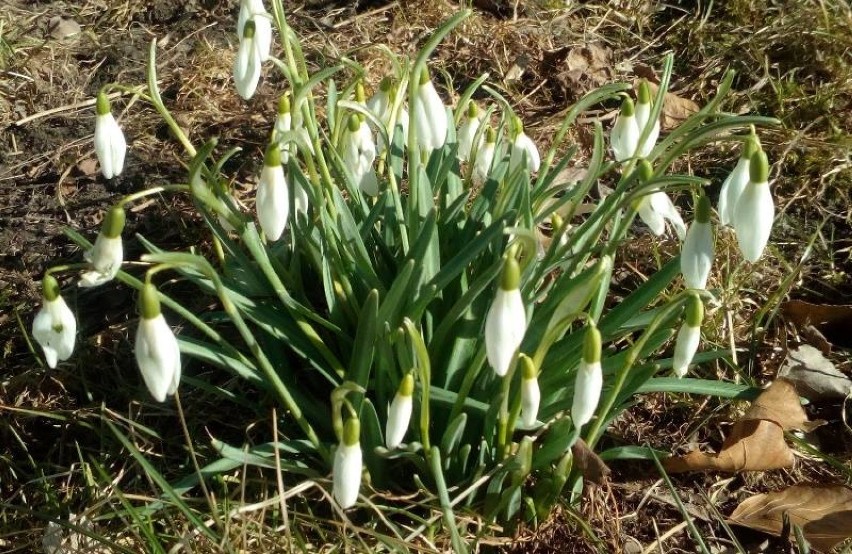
x=107, y=255
x=624, y=138
x=506, y=321
x=530, y=392
x=581, y=294
x=54, y=326
x=587, y=387
x=430, y=115
x=734, y=184
x=656, y=208
x=157, y=352
x=755, y=210
x=523, y=148
x=643, y=117
x=399, y=412
x=248, y=61
x=485, y=156
x=346, y=473
x=110, y=145
x=467, y=133
x=273, y=195
x=253, y=10
x=381, y=105
x=358, y=151
x=689, y=336
x=696, y=258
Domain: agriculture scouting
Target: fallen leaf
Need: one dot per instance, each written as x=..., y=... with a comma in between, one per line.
x=88, y=166
x=823, y=512
x=61, y=28
x=578, y=69
x=675, y=108
x=590, y=465
x=814, y=375
x=833, y=322
x=780, y=404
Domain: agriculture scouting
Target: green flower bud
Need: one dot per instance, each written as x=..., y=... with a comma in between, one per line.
x=149, y=302
x=646, y=171
x=528, y=369
x=644, y=94
x=49, y=288
x=284, y=103
x=406, y=387
x=354, y=123
x=511, y=276
x=592, y=345
x=272, y=158
x=627, y=107
x=490, y=135
x=351, y=431
x=360, y=94
x=102, y=104
x=694, y=311
x=424, y=76
x=759, y=167
x=114, y=222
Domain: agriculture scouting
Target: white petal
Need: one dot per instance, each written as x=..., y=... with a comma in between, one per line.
x=431, y=118
x=686, y=346
x=650, y=217
x=247, y=68
x=466, y=135
x=273, y=202
x=484, y=159
x=158, y=356
x=732, y=188
x=505, y=326
x=300, y=198
x=399, y=416
x=624, y=137
x=346, y=474
x=106, y=257
x=643, y=114
x=524, y=147
x=55, y=329
x=587, y=392
x=696, y=258
x=110, y=145
x=662, y=204
x=530, y=400
x=753, y=218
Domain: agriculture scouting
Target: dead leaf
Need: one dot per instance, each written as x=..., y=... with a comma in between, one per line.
x=834, y=322
x=756, y=442
x=61, y=28
x=814, y=375
x=675, y=108
x=823, y=512
x=590, y=465
x=88, y=166
x=578, y=69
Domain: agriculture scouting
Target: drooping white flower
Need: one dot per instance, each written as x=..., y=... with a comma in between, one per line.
x=107, y=254
x=624, y=138
x=430, y=115
x=381, y=104
x=358, y=151
x=157, y=352
x=399, y=412
x=255, y=11
x=643, y=119
x=273, y=200
x=689, y=336
x=530, y=392
x=589, y=381
x=346, y=473
x=523, y=149
x=247, y=63
x=110, y=145
x=506, y=321
x=732, y=187
x=485, y=156
x=287, y=121
x=54, y=326
x=696, y=258
x=655, y=209
x=588, y=283
x=754, y=212
x=467, y=133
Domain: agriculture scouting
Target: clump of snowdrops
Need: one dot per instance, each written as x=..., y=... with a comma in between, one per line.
x=390, y=287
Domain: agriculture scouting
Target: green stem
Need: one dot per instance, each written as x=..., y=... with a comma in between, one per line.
x=151, y=191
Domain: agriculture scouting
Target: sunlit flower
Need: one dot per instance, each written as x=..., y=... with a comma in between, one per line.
x=157, y=352
x=430, y=115
x=732, y=187
x=273, y=200
x=346, y=473
x=248, y=61
x=54, y=326
x=643, y=119
x=381, y=105
x=587, y=387
x=110, y=145
x=107, y=254
x=624, y=138
x=485, y=156
x=696, y=258
x=506, y=321
x=523, y=149
x=253, y=10
x=579, y=296
x=530, y=392
x=754, y=212
x=399, y=412
x=655, y=209
x=358, y=151
x=467, y=133
x=689, y=336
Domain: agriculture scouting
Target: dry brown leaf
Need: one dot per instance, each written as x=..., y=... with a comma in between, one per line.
x=780, y=403
x=823, y=512
x=833, y=322
x=590, y=465
x=816, y=377
x=675, y=108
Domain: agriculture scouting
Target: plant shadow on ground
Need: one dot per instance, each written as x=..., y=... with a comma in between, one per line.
x=792, y=63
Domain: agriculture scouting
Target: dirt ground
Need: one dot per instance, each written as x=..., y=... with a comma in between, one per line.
x=55, y=55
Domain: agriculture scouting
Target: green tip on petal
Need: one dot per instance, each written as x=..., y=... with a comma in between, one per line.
x=406, y=387
x=592, y=345
x=284, y=103
x=114, y=222
x=511, y=276
x=759, y=167
x=424, y=76
x=249, y=29
x=102, y=104
x=694, y=311
x=354, y=123
x=490, y=135
x=386, y=84
x=702, y=209
x=360, y=93
x=644, y=95
x=750, y=146
x=528, y=369
x=627, y=107
x=49, y=288
x=352, y=431
x=472, y=109
x=646, y=171
x=149, y=302
x=272, y=158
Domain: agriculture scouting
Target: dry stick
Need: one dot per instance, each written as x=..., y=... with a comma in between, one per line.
x=279, y=480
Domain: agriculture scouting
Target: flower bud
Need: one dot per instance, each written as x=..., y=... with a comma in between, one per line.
x=732, y=187
x=696, y=258
x=157, y=351
x=624, y=138
x=689, y=336
x=110, y=145
x=273, y=195
x=506, y=321
x=107, y=254
x=467, y=133
x=589, y=381
x=485, y=156
x=754, y=212
x=54, y=326
x=399, y=412
x=530, y=392
x=643, y=119
x=430, y=115
x=524, y=150
x=248, y=62
x=346, y=473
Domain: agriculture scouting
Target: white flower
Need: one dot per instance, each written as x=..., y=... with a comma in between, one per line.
x=107, y=254
x=624, y=138
x=247, y=63
x=430, y=115
x=485, y=156
x=643, y=116
x=589, y=382
x=732, y=187
x=346, y=473
x=655, y=209
x=358, y=153
x=689, y=336
x=287, y=121
x=273, y=200
x=506, y=321
x=530, y=393
x=523, y=148
x=467, y=133
x=157, y=352
x=399, y=412
x=254, y=10
x=696, y=258
x=755, y=210
x=54, y=326
x=110, y=145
